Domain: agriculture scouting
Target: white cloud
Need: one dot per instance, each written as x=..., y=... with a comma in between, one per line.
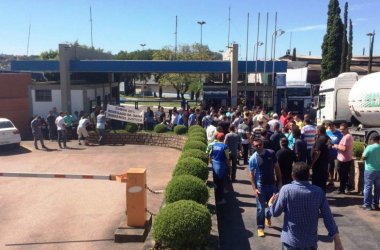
x=360, y=19
x=309, y=28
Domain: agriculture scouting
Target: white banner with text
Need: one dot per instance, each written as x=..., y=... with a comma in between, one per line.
x=126, y=114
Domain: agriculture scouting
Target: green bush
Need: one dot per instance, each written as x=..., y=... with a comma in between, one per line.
x=196, y=153
x=191, y=166
x=358, y=149
x=186, y=187
x=195, y=127
x=131, y=127
x=180, y=129
x=160, y=128
x=197, y=131
x=197, y=138
x=195, y=145
x=182, y=225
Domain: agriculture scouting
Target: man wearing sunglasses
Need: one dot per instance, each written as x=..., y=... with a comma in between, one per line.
x=263, y=167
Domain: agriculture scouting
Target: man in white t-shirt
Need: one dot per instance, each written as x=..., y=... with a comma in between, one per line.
x=82, y=129
x=61, y=129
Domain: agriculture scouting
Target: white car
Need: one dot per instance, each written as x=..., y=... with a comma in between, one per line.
x=9, y=134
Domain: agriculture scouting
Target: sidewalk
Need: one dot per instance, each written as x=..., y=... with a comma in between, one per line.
x=359, y=229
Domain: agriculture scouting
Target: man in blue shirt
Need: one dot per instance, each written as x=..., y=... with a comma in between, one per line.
x=302, y=203
x=220, y=156
x=335, y=137
x=263, y=166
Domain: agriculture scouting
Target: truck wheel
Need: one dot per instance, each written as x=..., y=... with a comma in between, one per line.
x=370, y=137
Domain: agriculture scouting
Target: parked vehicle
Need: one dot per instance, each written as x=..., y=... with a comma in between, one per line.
x=364, y=104
x=333, y=98
x=9, y=134
x=354, y=101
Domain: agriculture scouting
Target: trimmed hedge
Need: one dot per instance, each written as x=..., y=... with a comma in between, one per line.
x=198, y=131
x=186, y=187
x=131, y=127
x=182, y=225
x=180, y=129
x=358, y=149
x=191, y=166
x=197, y=138
x=195, y=145
x=160, y=128
x=195, y=127
x=195, y=153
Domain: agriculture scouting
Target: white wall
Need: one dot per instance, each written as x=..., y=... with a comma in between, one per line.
x=43, y=108
x=77, y=102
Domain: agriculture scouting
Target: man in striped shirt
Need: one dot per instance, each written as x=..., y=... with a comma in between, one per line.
x=308, y=132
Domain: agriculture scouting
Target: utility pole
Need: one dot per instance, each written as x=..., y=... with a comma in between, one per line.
x=175, y=33
x=92, y=44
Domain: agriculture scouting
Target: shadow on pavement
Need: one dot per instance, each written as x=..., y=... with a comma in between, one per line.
x=232, y=231
x=345, y=201
x=6, y=151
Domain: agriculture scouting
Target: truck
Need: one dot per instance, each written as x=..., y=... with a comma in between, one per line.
x=294, y=93
x=332, y=100
x=355, y=101
x=364, y=104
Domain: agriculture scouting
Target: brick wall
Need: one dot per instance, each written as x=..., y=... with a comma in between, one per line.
x=152, y=139
x=14, y=100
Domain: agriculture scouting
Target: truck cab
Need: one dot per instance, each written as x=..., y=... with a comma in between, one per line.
x=332, y=101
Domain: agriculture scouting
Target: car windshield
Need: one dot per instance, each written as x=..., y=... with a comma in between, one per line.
x=6, y=124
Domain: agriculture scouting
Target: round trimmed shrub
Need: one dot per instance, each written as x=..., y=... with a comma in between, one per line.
x=197, y=134
x=160, y=128
x=195, y=127
x=186, y=187
x=191, y=166
x=358, y=149
x=197, y=138
x=195, y=145
x=197, y=131
x=131, y=127
x=196, y=153
x=182, y=225
x=180, y=129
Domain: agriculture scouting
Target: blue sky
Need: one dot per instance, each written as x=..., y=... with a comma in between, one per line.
x=125, y=24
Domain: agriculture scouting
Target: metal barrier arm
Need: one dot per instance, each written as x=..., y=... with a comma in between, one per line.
x=120, y=178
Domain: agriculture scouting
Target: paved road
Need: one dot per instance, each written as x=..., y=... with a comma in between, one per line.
x=237, y=221
x=73, y=214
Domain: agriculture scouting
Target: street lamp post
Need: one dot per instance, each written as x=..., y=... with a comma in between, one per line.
x=275, y=34
x=255, y=54
x=142, y=45
x=371, y=40
x=201, y=23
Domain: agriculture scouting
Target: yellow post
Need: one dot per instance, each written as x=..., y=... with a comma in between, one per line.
x=136, y=197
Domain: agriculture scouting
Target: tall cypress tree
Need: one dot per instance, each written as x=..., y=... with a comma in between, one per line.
x=294, y=56
x=350, y=40
x=343, y=65
x=332, y=43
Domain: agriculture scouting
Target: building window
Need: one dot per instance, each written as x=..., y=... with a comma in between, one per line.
x=43, y=95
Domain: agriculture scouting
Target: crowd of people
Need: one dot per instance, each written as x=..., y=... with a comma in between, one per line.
x=62, y=126
x=283, y=150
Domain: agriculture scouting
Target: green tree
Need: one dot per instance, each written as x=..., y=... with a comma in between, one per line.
x=332, y=43
x=51, y=54
x=343, y=65
x=350, y=46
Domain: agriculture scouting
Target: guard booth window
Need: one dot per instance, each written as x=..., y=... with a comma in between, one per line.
x=43, y=95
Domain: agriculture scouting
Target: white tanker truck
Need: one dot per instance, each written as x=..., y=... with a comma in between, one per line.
x=349, y=99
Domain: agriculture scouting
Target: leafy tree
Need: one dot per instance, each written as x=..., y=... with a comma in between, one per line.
x=332, y=43
x=343, y=66
x=349, y=54
x=51, y=54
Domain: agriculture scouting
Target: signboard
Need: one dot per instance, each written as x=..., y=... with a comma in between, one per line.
x=280, y=80
x=126, y=114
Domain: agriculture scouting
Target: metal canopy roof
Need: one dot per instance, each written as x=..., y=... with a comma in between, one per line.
x=128, y=66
